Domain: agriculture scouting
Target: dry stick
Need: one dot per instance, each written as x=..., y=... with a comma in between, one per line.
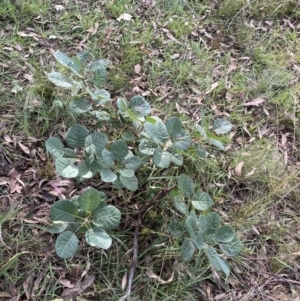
x=143, y=209
x=134, y=260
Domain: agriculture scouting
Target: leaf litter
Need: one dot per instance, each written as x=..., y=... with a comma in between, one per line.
x=42, y=189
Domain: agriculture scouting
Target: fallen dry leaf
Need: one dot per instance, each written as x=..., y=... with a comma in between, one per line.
x=79, y=288
x=250, y=173
x=212, y=87
x=65, y=282
x=175, y=56
x=125, y=17
x=24, y=148
x=238, y=169
x=124, y=281
x=137, y=68
x=170, y=36
x=94, y=28
x=255, y=102
x=181, y=110
x=151, y=274
x=59, y=7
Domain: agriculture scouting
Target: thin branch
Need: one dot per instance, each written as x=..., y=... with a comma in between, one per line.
x=134, y=260
x=161, y=194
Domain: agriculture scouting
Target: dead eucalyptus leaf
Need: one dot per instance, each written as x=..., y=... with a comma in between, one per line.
x=24, y=148
x=255, y=102
x=212, y=87
x=250, y=173
x=65, y=283
x=79, y=288
x=124, y=281
x=137, y=68
x=125, y=17
x=238, y=169
x=151, y=274
x=59, y=7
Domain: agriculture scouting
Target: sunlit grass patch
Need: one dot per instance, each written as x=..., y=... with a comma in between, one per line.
x=258, y=9
x=22, y=10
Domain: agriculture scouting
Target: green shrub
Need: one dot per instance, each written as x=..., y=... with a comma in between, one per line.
x=127, y=147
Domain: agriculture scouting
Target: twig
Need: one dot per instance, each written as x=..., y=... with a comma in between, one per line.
x=134, y=260
x=161, y=194
x=141, y=210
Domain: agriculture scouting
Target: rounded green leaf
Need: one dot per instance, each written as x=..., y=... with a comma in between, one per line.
x=102, y=96
x=176, y=158
x=122, y=105
x=161, y=159
x=127, y=173
x=130, y=183
x=139, y=104
x=106, y=160
x=55, y=147
x=225, y=234
x=157, y=132
x=107, y=218
x=76, y=135
x=57, y=104
x=57, y=227
x=92, y=165
x=216, y=143
x=216, y=261
x=232, y=248
x=83, y=56
x=100, y=63
x=181, y=140
x=66, y=244
x=79, y=105
x=222, y=126
x=181, y=206
x=199, y=241
x=212, y=256
x=190, y=224
x=117, y=184
x=66, y=168
x=73, y=64
x=202, y=223
x=202, y=154
x=90, y=199
x=201, y=131
x=64, y=210
x=133, y=162
x=210, y=238
x=98, y=238
x=62, y=58
x=201, y=200
x=76, y=65
x=101, y=115
x=185, y=185
x=107, y=175
x=224, y=266
x=128, y=136
x=175, y=228
x=147, y=147
x=213, y=223
x=187, y=250
x=83, y=171
x=95, y=143
x=119, y=149
x=69, y=153
x=174, y=126
x=60, y=80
